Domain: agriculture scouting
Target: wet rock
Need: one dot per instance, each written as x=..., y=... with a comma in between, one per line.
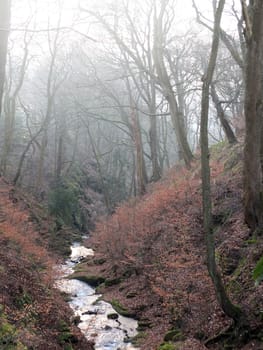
x=90, y=312
x=113, y=316
x=76, y=320
x=93, y=281
x=107, y=328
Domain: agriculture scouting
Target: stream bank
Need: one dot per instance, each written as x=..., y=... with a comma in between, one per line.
x=98, y=321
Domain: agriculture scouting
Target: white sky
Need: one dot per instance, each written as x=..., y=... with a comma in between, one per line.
x=48, y=10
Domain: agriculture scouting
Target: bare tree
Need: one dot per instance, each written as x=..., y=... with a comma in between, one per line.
x=222, y=117
x=231, y=310
x=11, y=97
x=167, y=89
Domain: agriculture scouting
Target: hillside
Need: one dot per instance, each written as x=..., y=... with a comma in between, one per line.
x=33, y=315
x=151, y=254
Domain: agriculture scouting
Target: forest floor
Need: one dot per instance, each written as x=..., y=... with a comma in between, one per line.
x=33, y=314
x=151, y=254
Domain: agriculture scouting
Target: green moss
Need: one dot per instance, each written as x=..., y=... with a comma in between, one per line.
x=234, y=287
x=258, y=271
x=112, y=281
x=251, y=241
x=218, y=147
x=121, y=309
x=143, y=325
x=23, y=300
x=65, y=335
x=240, y=267
x=167, y=346
x=138, y=338
x=9, y=336
x=173, y=335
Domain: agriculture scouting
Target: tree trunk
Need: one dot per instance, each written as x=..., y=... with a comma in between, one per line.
x=141, y=174
x=4, y=32
x=231, y=310
x=167, y=88
x=253, y=206
x=156, y=170
x=221, y=115
x=23, y=156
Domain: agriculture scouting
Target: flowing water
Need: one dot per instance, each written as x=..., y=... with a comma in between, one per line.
x=108, y=334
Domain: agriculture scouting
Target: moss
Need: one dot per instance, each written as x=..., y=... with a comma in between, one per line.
x=67, y=347
x=121, y=309
x=218, y=147
x=112, y=281
x=9, y=336
x=173, y=335
x=136, y=340
x=23, y=300
x=143, y=325
x=65, y=335
x=239, y=268
x=167, y=346
x=251, y=241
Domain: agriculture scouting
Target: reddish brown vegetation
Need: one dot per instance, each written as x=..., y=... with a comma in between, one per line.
x=157, y=246
x=40, y=316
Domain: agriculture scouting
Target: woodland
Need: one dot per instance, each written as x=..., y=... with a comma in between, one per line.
x=135, y=127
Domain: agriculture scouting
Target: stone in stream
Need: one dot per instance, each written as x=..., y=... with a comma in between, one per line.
x=89, y=312
x=113, y=316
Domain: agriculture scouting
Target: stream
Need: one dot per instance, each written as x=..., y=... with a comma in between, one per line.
x=107, y=334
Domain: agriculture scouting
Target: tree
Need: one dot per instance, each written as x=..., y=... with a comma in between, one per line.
x=167, y=89
x=11, y=97
x=4, y=31
x=231, y=310
x=253, y=195
x=222, y=117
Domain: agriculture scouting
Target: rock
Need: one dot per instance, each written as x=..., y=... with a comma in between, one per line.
x=113, y=316
x=107, y=328
x=76, y=320
x=90, y=312
x=93, y=281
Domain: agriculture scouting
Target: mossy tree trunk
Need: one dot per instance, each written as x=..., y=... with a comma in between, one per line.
x=224, y=301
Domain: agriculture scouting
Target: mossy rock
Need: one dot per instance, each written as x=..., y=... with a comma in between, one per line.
x=173, y=335
x=112, y=282
x=93, y=281
x=120, y=309
x=143, y=325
